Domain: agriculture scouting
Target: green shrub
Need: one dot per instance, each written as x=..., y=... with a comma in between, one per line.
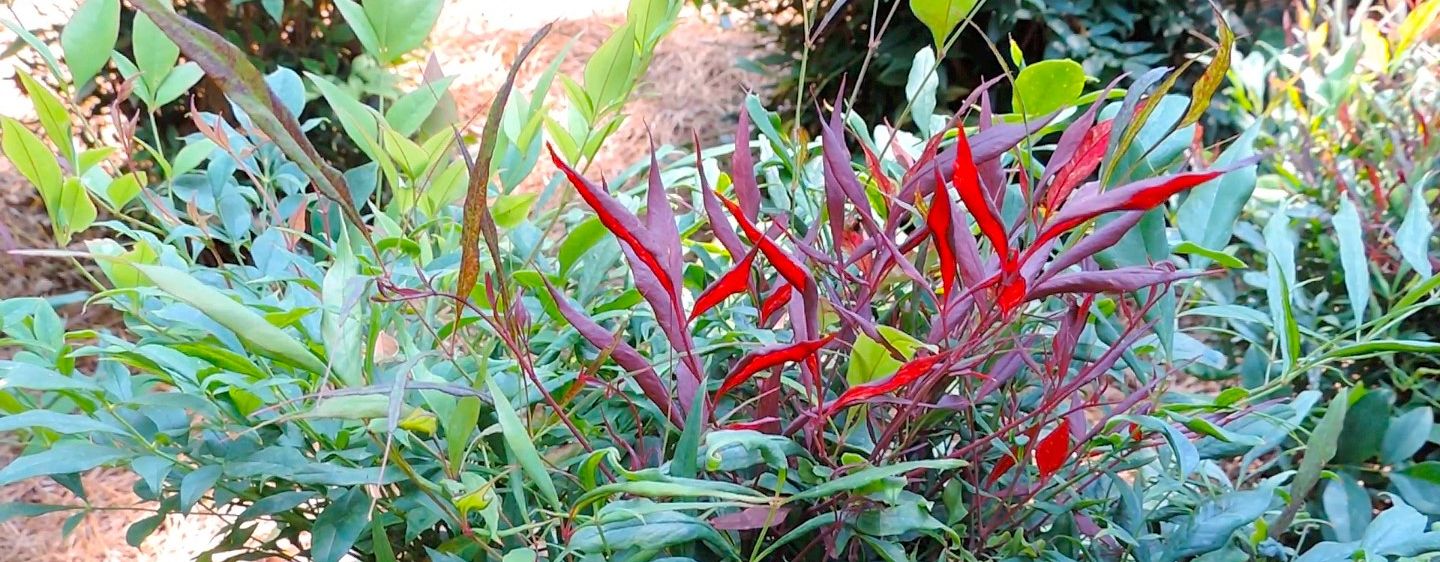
x=843, y=41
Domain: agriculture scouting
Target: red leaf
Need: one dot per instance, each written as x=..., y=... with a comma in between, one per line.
x=967, y=183
x=782, y=261
x=1139, y=196
x=1012, y=293
x=618, y=220
x=768, y=357
x=939, y=220
x=1053, y=449
x=1080, y=166
x=773, y=303
x=734, y=281
x=902, y=377
x=742, y=169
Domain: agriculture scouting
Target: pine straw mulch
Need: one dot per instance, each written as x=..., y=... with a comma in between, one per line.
x=692, y=84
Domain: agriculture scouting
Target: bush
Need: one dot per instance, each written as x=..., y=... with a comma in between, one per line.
x=872, y=43
x=965, y=339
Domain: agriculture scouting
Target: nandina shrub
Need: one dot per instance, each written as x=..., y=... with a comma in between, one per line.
x=871, y=379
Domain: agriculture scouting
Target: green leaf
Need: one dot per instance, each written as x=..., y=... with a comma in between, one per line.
x=1319, y=449
x=138, y=531
x=339, y=526
x=123, y=189
x=1047, y=86
x=1222, y=258
x=920, y=89
x=31, y=377
x=579, y=241
x=33, y=160
x=511, y=209
x=520, y=443
x=1413, y=237
x=1407, y=433
x=63, y=458
x=871, y=361
x=380, y=543
x=401, y=25
x=610, y=71
x=248, y=325
x=360, y=122
x=1365, y=427
x=179, y=81
x=89, y=37
x=1280, y=244
x=75, y=213
x=1352, y=257
x=869, y=476
x=1347, y=507
x=194, y=485
x=941, y=16
x=622, y=530
x=687, y=449
x=1208, y=213
x=1215, y=521
x=53, y=117
x=459, y=426
x=1419, y=484
x=191, y=156
x=69, y=424
x=409, y=112
x=360, y=24
x=155, y=54
x=35, y=43
x=11, y=510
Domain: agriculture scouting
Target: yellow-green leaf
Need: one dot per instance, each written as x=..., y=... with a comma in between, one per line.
x=75, y=213
x=53, y=117
x=609, y=73
x=89, y=37
x=245, y=322
x=941, y=16
x=32, y=158
x=1214, y=74
x=511, y=209
x=124, y=188
x=871, y=361
x=1047, y=86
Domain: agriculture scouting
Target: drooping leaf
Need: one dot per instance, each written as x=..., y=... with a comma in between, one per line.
x=767, y=357
x=941, y=16
x=906, y=374
x=245, y=322
x=733, y=282
x=967, y=184
x=939, y=219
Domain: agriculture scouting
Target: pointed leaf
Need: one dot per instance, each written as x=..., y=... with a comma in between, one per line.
x=767, y=357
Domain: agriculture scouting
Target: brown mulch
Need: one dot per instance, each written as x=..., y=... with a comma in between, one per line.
x=692, y=84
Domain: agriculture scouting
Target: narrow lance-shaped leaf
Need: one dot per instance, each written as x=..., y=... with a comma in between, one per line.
x=1121, y=280
x=1413, y=236
x=786, y=265
x=1086, y=159
x=623, y=354
x=243, y=84
x=1214, y=74
x=768, y=357
x=733, y=282
x=1139, y=196
x=967, y=184
x=1053, y=449
x=714, y=211
x=1089, y=245
x=742, y=169
x=477, y=217
x=1352, y=257
x=906, y=374
x=616, y=218
x=777, y=300
x=939, y=220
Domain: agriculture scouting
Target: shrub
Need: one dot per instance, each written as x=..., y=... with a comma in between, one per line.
x=843, y=42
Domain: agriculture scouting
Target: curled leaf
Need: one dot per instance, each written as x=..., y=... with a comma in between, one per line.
x=768, y=357
x=733, y=282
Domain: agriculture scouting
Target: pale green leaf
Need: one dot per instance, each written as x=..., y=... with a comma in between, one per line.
x=89, y=37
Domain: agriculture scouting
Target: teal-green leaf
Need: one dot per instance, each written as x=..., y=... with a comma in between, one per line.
x=521, y=444
x=340, y=525
x=1047, y=86
x=1208, y=213
x=57, y=422
x=1407, y=433
x=1415, y=231
x=63, y=458
x=245, y=322
x=89, y=37
x=1352, y=257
